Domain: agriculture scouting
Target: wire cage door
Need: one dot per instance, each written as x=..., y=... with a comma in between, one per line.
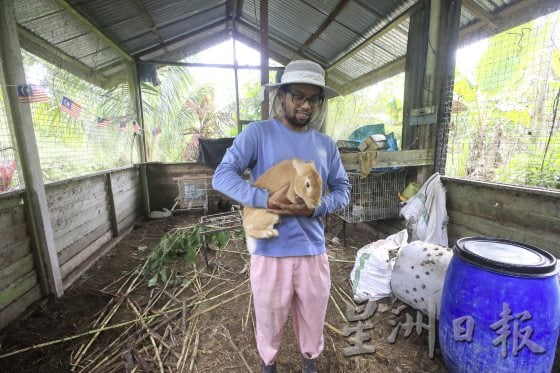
x=193, y=192
x=373, y=197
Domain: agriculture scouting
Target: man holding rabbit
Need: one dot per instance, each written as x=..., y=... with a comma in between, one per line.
x=291, y=271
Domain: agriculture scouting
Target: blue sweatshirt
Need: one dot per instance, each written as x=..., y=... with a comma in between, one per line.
x=262, y=145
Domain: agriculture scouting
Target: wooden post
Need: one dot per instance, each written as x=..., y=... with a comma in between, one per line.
x=112, y=207
x=431, y=46
x=236, y=80
x=265, y=111
x=136, y=103
x=35, y=196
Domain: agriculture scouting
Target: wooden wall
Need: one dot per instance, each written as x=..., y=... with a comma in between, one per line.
x=19, y=285
x=521, y=214
x=476, y=208
x=163, y=189
x=89, y=215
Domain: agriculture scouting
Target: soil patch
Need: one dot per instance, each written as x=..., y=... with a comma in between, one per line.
x=197, y=318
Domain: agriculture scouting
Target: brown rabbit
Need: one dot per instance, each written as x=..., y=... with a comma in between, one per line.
x=305, y=184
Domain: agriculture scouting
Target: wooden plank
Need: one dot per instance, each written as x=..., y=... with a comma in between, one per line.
x=78, y=245
x=64, y=212
x=71, y=193
x=134, y=211
x=83, y=255
x=123, y=184
x=72, y=276
x=16, y=270
x=17, y=288
x=401, y=158
x=18, y=307
x=10, y=254
x=71, y=224
x=13, y=234
x=12, y=216
x=129, y=221
x=529, y=211
x=490, y=228
x=10, y=201
x=127, y=197
x=67, y=238
x=521, y=198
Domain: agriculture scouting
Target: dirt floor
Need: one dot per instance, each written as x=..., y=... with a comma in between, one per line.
x=196, y=318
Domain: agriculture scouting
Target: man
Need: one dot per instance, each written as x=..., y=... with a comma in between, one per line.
x=291, y=270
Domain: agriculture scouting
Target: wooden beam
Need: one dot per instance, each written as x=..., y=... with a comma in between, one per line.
x=403, y=158
x=148, y=19
x=375, y=36
x=255, y=45
x=336, y=11
x=112, y=211
x=375, y=76
x=36, y=206
x=280, y=42
x=208, y=65
x=136, y=96
x=263, y=38
x=480, y=12
x=514, y=15
x=40, y=48
x=64, y=4
x=180, y=38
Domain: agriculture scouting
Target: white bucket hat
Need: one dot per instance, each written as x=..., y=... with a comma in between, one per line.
x=305, y=72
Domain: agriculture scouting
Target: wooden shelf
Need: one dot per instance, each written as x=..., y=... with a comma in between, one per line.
x=401, y=158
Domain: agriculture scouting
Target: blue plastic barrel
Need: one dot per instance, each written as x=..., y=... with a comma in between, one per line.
x=500, y=308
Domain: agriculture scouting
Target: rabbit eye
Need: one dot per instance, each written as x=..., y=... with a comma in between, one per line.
x=307, y=184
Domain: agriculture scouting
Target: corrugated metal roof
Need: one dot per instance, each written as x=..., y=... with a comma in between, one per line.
x=100, y=35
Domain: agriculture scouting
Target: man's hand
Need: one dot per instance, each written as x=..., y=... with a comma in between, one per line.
x=280, y=205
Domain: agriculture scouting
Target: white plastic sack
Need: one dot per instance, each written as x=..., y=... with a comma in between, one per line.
x=426, y=214
x=371, y=275
x=418, y=275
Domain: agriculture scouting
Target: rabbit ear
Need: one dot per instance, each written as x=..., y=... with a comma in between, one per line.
x=298, y=165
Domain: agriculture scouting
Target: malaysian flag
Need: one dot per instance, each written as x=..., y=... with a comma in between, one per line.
x=70, y=107
x=102, y=122
x=31, y=93
x=123, y=127
x=135, y=127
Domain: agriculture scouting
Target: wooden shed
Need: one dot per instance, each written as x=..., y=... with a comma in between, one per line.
x=54, y=231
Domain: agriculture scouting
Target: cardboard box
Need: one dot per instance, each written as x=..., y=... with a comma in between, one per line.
x=372, y=143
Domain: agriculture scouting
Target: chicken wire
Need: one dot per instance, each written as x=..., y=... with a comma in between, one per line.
x=502, y=123
x=99, y=134
x=373, y=197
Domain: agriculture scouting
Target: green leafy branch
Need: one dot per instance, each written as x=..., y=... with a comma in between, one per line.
x=179, y=243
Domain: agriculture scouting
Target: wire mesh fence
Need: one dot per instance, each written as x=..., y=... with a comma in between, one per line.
x=79, y=128
x=503, y=119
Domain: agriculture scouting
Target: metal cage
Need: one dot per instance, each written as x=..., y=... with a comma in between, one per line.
x=193, y=192
x=373, y=197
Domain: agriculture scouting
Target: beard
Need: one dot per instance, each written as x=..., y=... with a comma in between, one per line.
x=298, y=117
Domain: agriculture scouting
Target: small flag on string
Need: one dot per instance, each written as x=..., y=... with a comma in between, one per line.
x=102, y=122
x=70, y=107
x=31, y=93
x=135, y=127
x=123, y=127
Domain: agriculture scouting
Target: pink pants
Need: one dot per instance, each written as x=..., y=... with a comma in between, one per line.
x=300, y=283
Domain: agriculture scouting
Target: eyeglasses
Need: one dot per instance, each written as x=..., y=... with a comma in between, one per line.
x=301, y=99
